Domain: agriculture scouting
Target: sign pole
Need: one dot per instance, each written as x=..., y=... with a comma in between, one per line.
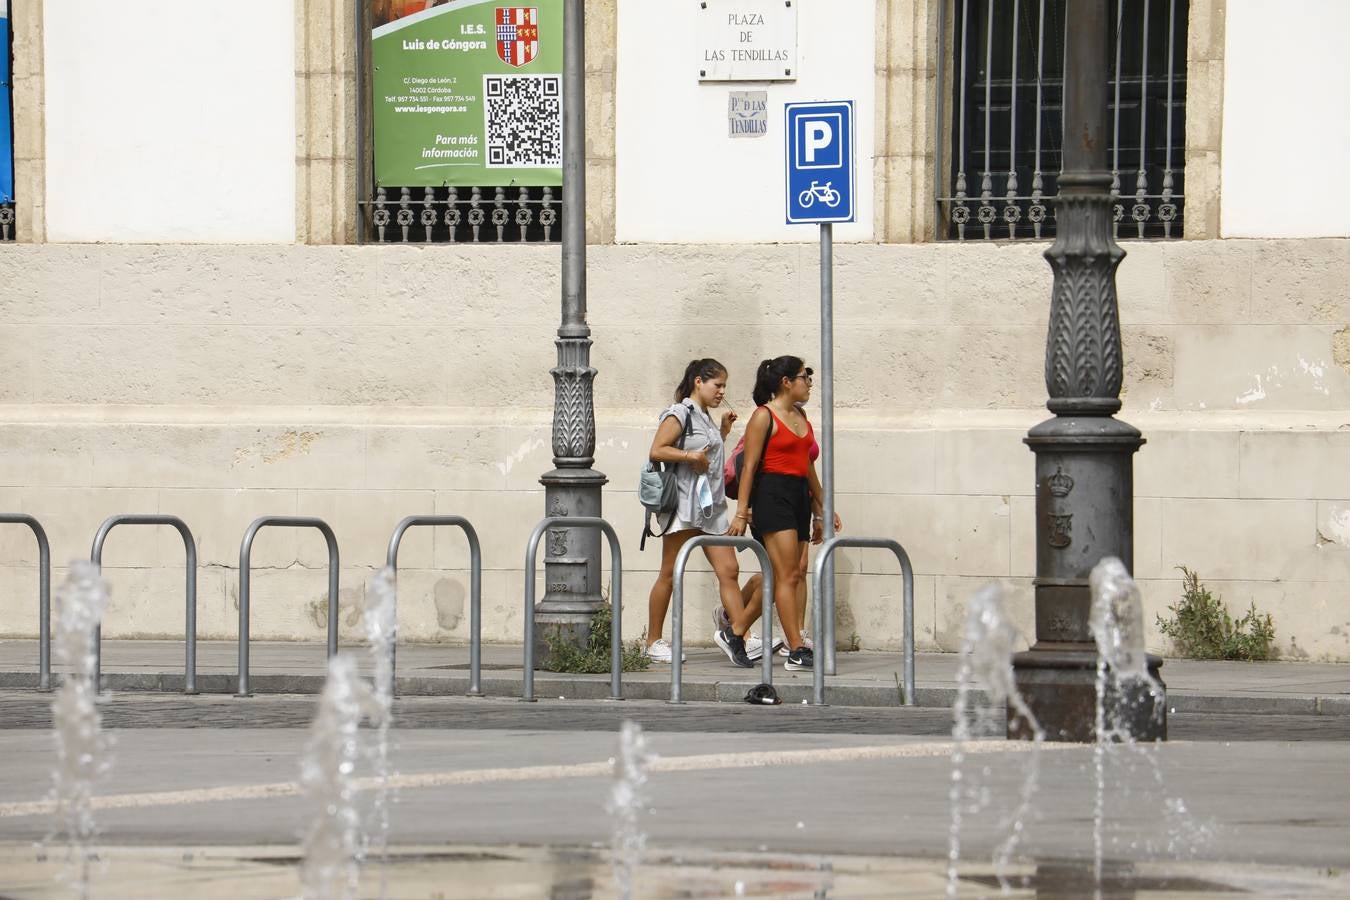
x=825, y=642
x=820, y=181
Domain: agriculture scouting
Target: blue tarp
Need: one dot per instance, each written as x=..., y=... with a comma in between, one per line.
x=6, y=135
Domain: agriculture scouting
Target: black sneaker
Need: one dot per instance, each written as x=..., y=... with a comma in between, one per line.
x=733, y=646
x=801, y=658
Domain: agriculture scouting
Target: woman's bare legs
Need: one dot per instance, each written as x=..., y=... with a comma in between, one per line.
x=724, y=565
x=803, y=568
x=658, y=602
x=752, y=595
x=728, y=572
x=784, y=556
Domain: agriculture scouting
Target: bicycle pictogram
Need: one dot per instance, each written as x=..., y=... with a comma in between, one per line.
x=817, y=191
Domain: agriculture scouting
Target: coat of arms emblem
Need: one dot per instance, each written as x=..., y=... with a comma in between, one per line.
x=517, y=34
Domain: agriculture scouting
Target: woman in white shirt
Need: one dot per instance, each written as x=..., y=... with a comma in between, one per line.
x=702, y=507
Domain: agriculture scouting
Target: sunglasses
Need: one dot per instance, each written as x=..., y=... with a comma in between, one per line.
x=807, y=375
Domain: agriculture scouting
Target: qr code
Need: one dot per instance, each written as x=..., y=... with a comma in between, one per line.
x=524, y=121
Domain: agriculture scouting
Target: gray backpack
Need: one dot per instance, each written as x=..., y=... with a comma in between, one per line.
x=657, y=490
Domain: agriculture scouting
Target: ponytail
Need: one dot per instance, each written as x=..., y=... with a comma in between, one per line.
x=707, y=369
x=769, y=377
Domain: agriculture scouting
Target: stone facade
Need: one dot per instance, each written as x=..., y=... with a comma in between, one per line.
x=363, y=384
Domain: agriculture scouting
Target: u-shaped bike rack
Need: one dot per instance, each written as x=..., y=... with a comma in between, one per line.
x=677, y=601
x=44, y=594
x=190, y=626
x=906, y=572
x=475, y=591
x=616, y=601
x=246, y=550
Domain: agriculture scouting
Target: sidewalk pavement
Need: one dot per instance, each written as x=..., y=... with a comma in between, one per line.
x=866, y=678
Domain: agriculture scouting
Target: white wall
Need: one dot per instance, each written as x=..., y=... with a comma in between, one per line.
x=679, y=177
x=170, y=120
x=1286, y=130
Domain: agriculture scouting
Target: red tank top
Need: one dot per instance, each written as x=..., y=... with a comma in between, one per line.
x=785, y=453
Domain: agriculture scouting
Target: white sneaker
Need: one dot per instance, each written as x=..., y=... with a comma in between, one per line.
x=659, y=651
x=754, y=647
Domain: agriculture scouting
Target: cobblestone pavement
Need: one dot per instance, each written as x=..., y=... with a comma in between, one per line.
x=28, y=709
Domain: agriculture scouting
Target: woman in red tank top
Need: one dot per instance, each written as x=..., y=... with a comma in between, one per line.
x=780, y=488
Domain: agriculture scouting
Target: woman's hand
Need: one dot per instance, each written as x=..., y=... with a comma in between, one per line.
x=738, y=525
x=818, y=527
x=698, y=460
x=728, y=419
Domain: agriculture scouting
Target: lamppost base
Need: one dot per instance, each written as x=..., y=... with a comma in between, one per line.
x=572, y=575
x=1058, y=683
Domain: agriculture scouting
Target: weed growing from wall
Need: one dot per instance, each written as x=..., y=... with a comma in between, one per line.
x=1202, y=628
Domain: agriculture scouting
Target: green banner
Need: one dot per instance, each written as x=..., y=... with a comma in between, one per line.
x=469, y=93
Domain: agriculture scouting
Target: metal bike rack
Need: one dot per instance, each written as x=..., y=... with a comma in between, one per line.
x=190, y=627
x=906, y=572
x=246, y=550
x=44, y=594
x=677, y=602
x=475, y=591
x=616, y=600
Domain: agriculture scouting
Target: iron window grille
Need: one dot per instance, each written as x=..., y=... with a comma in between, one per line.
x=484, y=214
x=1002, y=117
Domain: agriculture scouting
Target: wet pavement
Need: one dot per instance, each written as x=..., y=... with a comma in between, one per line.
x=496, y=798
x=444, y=872
x=1267, y=802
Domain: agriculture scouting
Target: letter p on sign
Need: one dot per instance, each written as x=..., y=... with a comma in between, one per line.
x=819, y=135
x=817, y=141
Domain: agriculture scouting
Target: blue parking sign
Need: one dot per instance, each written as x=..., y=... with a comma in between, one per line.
x=820, y=173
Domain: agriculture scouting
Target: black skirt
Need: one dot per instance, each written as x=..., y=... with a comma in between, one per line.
x=780, y=503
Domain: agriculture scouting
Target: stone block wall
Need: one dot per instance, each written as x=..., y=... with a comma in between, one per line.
x=363, y=384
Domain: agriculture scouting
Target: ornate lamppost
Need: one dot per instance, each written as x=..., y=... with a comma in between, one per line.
x=1084, y=455
x=572, y=556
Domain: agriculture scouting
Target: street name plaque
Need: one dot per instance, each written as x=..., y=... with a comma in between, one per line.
x=747, y=40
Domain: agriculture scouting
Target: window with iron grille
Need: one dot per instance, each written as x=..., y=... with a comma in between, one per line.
x=520, y=114
x=1002, y=117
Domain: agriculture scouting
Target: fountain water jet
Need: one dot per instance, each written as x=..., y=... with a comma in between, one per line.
x=988, y=643
x=333, y=843
x=380, y=620
x=627, y=800
x=1130, y=700
x=81, y=746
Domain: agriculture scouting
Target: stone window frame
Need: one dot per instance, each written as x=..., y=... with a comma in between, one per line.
x=327, y=181
x=30, y=146
x=908, y=53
